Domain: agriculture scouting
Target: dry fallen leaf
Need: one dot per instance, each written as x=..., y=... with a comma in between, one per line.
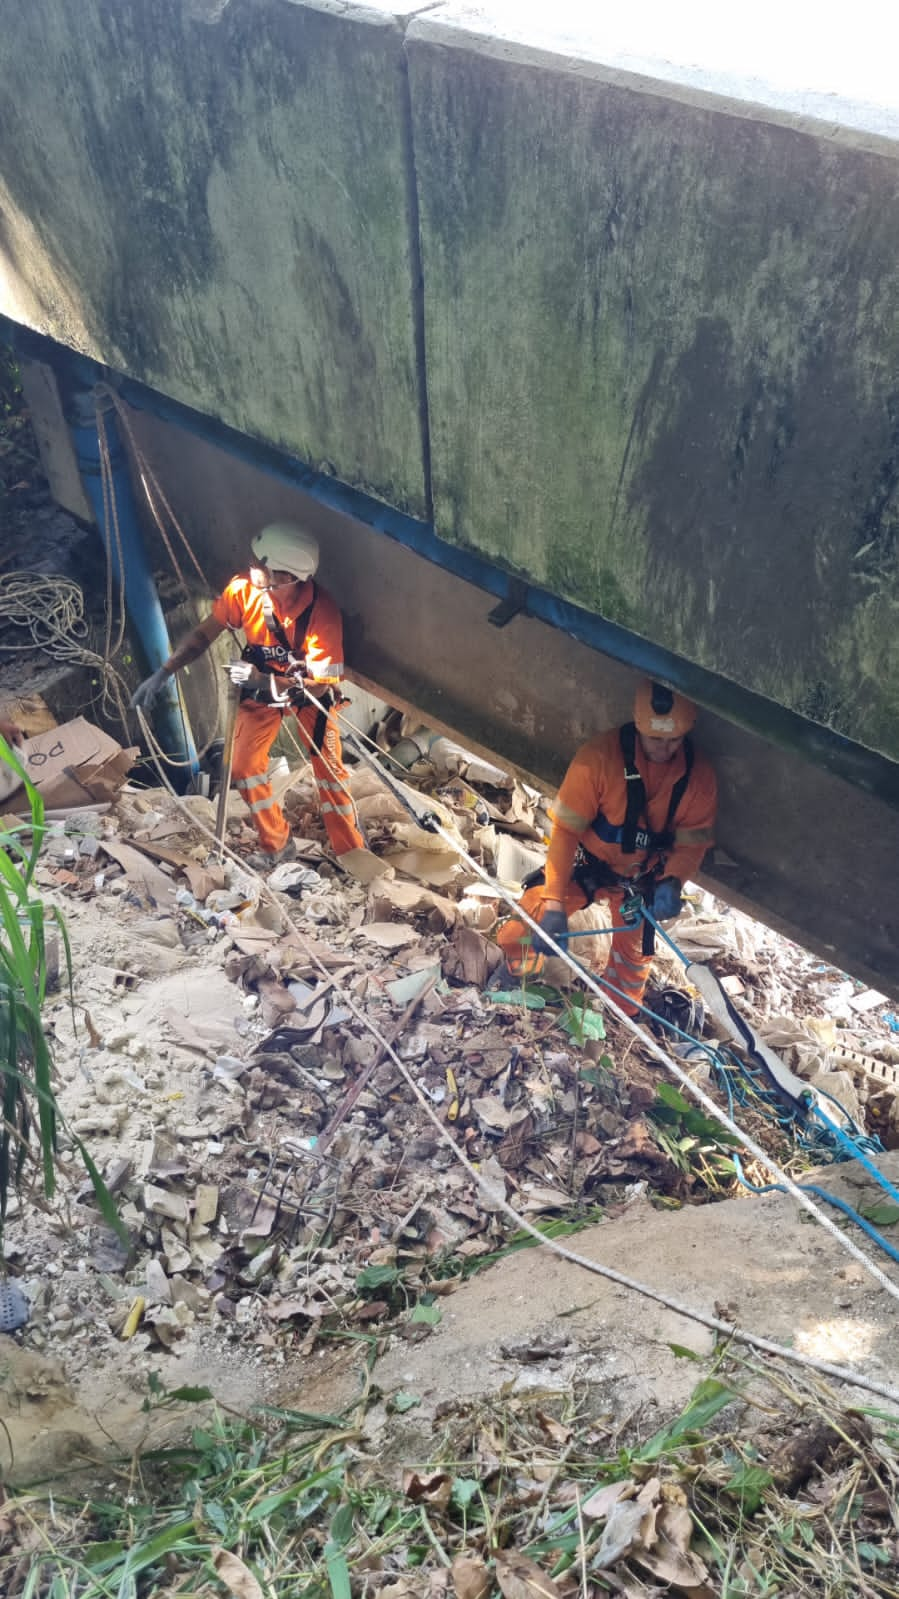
x=471, y=1579
x=519, y=1577
x=94, y=1036
x=433, y=1490
x=237, y=1577
x=495, y=1114
x=601, y=1503
x=405, y=1587
x=676, y=1524
x=671, y=1565
x=621, y=1533
x=553, y=1429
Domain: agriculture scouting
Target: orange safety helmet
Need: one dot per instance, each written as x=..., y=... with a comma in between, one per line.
x=660, y=712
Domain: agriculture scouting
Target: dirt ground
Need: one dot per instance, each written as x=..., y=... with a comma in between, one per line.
x=530, y=1323
x=173, y=1070
x=534, y=1321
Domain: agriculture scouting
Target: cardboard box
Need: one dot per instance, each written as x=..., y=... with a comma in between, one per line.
x=70, y=766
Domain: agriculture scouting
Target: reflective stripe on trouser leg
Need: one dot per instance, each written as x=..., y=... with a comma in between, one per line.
x=514, y=937
x=255, y=733
x=320, y=736
x=628, y=968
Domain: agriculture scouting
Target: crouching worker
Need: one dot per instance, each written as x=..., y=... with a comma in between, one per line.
x=635, y=813
x=294, y=642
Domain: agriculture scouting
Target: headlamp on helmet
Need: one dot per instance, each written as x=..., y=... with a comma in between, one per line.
x=660, y=712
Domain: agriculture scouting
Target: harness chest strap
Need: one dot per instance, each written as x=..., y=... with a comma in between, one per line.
x=259, y=654
x=276, y=626
x=635, y=810
x=283, y=657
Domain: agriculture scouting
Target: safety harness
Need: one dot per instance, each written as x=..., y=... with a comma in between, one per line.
x=280, y=657
x=592, y=874
x=630, y=836
x=282, y=660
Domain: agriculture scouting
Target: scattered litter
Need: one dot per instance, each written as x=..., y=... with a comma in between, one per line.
x=515, y=862
x=14, y=1307
x=404, y=989
x=73, y=765
x=291, y=878
x=516, y=996
x=387, y=935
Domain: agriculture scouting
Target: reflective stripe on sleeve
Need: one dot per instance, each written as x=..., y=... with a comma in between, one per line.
x=566, y=817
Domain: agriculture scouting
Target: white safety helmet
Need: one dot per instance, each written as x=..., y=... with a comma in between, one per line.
x=284, y=547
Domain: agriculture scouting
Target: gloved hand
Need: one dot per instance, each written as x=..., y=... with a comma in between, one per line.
x=147, y=693
x=244, y=674
x=667, y=903
x=554, y=923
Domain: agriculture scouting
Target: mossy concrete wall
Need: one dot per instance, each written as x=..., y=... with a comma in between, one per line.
x=215, y=198
x=626, y=331
x=662, y=341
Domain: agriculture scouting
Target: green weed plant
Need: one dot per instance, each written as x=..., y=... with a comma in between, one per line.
x=29, y=1115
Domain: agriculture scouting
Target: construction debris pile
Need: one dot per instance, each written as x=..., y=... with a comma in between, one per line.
x=225, y=1062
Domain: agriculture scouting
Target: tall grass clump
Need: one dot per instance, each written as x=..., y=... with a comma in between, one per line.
x=29, y=1116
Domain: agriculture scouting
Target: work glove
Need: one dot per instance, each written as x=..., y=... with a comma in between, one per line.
x=555, y=923
x=667, y=903
x=244, y=674
x=147, y=693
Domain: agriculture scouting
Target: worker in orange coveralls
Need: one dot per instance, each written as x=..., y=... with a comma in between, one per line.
x=294, y=634
x=636, y=811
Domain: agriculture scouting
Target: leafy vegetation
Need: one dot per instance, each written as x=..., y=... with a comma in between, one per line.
x=28, y=1128
x=696, y=1143
x=768, y=1487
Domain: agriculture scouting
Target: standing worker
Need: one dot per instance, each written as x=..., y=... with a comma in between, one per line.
x=635, y=814
x=294, y=641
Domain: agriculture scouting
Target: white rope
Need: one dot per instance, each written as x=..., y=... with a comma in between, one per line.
x=51, y=609
x=641, y=1034
x=766, y=1346
x=153, y=490
x=646, y=1039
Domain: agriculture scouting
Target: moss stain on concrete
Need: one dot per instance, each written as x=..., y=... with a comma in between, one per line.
x=675, y=331
x=222, y=210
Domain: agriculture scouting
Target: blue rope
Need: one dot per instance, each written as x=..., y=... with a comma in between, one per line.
x=856, y=1152
x=856, y=1145
x=830, y=1199
x=724, y=1063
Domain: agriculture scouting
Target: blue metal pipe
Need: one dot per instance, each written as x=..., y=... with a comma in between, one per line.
x=141, y=595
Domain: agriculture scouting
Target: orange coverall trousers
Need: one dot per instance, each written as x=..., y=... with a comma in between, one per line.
x=255, y=733
x=628, y=969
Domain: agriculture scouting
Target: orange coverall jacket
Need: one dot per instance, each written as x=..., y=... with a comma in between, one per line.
x=321, y=648
x=241, y=606
x=595, y=782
